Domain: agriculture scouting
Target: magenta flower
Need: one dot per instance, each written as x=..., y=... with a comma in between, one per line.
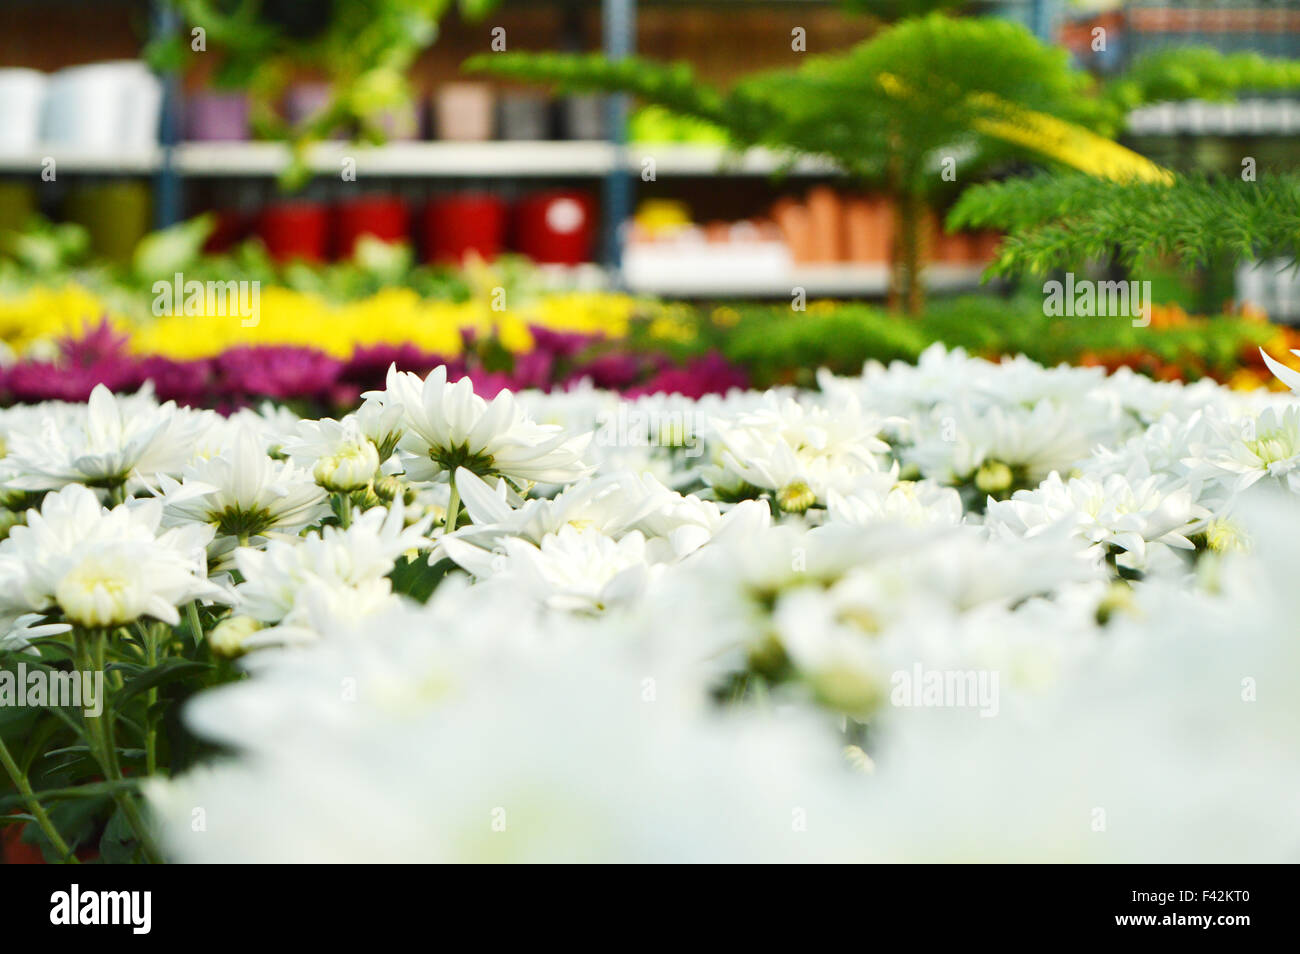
x=709, y=374
x=279, y=372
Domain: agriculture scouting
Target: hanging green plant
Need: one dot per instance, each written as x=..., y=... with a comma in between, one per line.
x=363, y=48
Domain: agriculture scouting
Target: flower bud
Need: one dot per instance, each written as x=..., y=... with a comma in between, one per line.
x=1224, y=536
x=387, y=488
x=229, y=636
x=349, y=469
x=993, y=477
x=795, y=497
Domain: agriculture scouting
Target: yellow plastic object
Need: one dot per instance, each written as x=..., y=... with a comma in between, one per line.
x=657, y=216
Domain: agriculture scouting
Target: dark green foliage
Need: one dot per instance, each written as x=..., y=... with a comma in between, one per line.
x=1198, y=73
x=838, y=106
x=1059, y=222
x=779, y=346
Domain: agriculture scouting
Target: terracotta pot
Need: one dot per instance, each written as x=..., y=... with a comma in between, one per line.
x=463, y=112
x=717, y=231
x=869, y=228
x=796, y=228
x=826, y=218
x=953, y=248
x=986, y=245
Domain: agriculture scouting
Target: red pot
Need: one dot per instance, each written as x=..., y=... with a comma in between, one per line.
x=456, y=225
x=555, y=227
x=231, y=228
x=295, y=230
x=383, y=217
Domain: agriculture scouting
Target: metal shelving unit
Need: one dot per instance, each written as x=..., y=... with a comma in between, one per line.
x=513, y=159
x=613, y=162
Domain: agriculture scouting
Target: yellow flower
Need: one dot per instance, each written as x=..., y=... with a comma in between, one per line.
x=725, y=317
x=288, y=317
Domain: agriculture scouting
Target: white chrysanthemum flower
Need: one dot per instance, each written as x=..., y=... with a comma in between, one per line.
x=1248, y=450
x=27, y=627
x=912, y=503
x=1288, y=376
x=345, y=560
x=244, y=495
x=673, y=525
x=591, y=768
x=797, y=451
x=113, y=584
x=448, y=426
x=336, y=453
x=574, y=570
x=108, y=443
x=1114, y=513
x=103, y=567
x=1000, y=448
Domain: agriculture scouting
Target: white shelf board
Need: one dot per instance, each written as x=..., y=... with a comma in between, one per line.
x=501, y=158
x=498, y=158
x=1247, y=117
x=699, y=160
x=819, y=281
x=80, y=160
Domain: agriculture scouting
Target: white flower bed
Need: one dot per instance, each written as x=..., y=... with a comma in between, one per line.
x=951, y=611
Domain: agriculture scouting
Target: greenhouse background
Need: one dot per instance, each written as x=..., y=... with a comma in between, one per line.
x=670, y=431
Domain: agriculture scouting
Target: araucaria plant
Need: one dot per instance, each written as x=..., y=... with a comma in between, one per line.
x=923, y=107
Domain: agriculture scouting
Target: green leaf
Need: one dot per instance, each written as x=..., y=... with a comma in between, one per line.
x=416, y=579
x=169, y=670
x=117, y=846
x=162, y=254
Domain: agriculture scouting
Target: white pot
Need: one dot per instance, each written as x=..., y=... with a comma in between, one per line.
x=22, y=96
x=111, y=107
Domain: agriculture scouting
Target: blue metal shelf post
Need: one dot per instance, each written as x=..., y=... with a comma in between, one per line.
x=618, y=28
x=167, y=209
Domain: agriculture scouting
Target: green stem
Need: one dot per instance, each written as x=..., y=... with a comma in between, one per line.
x=453, y=506
x=196, y=627
x=34, y=806
x=151, y=699
x=345, y=510
x=100, y=741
